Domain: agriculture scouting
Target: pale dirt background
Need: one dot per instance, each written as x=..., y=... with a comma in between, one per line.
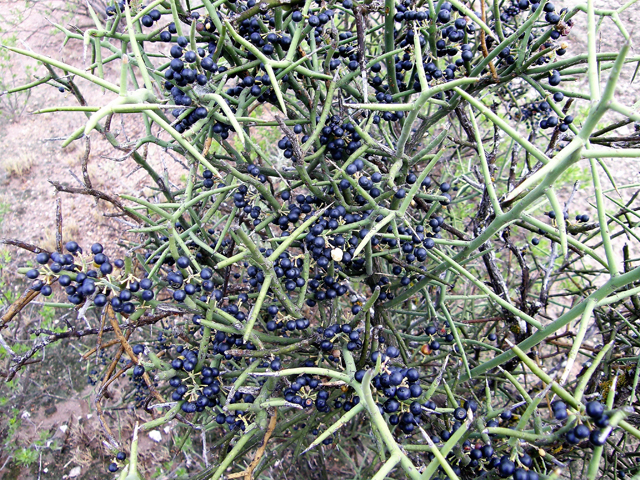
x=30, y=156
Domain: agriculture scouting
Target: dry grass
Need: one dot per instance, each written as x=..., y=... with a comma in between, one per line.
x=70, y=231
x=17, y=166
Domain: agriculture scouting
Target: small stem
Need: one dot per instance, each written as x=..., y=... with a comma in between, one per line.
x=255, y=310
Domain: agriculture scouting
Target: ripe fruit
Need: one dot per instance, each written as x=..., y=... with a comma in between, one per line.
x=182, y=262
x=571, y=438
x=460, y=414
x=595, y=409
x=597, y=438
x=560, y=414
x=506, y=468
x=581, y=431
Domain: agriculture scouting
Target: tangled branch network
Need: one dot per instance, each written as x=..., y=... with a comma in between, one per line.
x=370, y=243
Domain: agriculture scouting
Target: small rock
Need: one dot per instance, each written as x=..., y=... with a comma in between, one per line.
x=155, y=435
x=75, y=472
x=51, y=410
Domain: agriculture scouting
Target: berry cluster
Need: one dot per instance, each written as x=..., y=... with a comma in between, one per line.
x=115, y=466
x=91, y=277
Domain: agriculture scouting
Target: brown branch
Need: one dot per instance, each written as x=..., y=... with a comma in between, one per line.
x=127, y=348
x=207, y=146
x=58, y=226
x=512, y=169
x=24, y=245
x=105, y=383
x=525, y=284
x=103, y=318
x=556, y=131
x=546, y=280
x=107, y=124
x=483, y=44
x=613, y=126
x=101, y=346
x=17, y=306
x=85, y=160
x=633, y=139
x=359, y=11
x=627, y=268
x=260, y=452
x=483, y=320
x=466, y=126
x=29, y=362
x=97, y=194
x=561, y=335
x=25, y=359
x=454, y=231
x=41, y=343
x=291, y=137
x=116, y=329
x=569, y=345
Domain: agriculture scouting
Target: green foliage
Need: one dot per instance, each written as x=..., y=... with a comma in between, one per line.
x=7, y=294
x=12, y=105
x=25, y=457
x=4, y=209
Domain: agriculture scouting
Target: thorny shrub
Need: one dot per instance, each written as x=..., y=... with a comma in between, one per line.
x=395, y=279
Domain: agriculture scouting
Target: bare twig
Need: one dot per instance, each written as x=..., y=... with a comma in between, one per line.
x=85, y=160
x=17, y=306
x=546, y=281
x=58, y=226
x=24, y=245
x=97, y=194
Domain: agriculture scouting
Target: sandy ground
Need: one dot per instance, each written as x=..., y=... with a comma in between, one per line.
x=31, y=153
x=30, y=156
